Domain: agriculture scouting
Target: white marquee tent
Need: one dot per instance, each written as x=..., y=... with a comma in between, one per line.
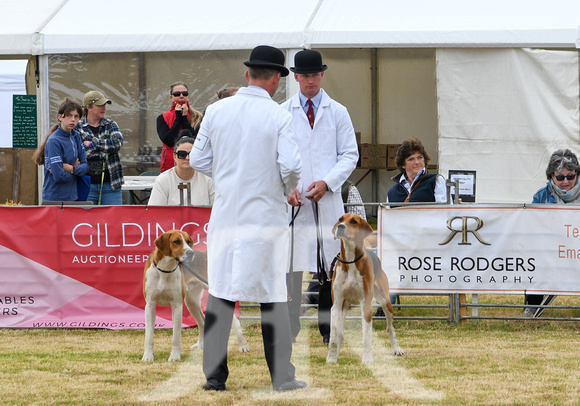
x=504, y=73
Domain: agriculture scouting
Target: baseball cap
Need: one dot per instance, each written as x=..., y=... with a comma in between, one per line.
x=95, y=97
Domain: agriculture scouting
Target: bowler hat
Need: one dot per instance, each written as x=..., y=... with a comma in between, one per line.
x=308, y=61
x=96, y=98
x=265, y=56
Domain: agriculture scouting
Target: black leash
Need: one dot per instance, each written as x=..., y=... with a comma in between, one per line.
x=321, y=266
x=187, y=268
x=291, y=268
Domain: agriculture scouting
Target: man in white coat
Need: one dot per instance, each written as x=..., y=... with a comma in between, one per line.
x=246, y=144
x=325, y=135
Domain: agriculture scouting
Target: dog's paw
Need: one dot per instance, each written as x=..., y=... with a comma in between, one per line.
x=367, y=359
x=174, y=357
x=331, y=360
x=244, y=347
x=148, y=357
x=197, y=345
x=398, y=351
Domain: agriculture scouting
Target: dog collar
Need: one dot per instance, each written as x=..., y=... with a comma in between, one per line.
x=161, y=270
x=350, y=262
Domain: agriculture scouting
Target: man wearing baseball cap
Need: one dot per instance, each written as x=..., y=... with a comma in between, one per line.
x=327, y=142
x=102, y=139
x=246, y=144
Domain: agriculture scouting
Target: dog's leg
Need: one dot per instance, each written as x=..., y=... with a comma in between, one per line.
x=242, y=343
x=177, y=317
x=193, y=302
x=367, y=330
x=397, y=350
x=381, y=294
x=337, y=316
x=149, y=330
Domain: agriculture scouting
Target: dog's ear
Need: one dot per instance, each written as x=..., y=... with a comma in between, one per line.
x=365, y=228
x=336, y=225
x=162, y=243
x=187, y=238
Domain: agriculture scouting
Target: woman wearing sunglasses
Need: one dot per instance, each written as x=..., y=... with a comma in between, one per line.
x=562, y=188
x=179, y=117
x=166, y=192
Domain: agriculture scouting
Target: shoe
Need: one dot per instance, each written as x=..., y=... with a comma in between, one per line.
x=380, y=312
x=214, y=385
x=326, y=339
x=292, y=385
x=529, y=312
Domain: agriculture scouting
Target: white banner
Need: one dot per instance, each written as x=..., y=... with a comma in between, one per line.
x=481, y=249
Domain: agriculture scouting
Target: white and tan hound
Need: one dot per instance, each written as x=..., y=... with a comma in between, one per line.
x=356, y=281
x=165, y=283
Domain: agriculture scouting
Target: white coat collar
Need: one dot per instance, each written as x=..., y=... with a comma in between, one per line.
x=254, y=91
x=324, y=102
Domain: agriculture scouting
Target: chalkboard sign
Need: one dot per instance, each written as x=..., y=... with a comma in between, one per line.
x=24, y=134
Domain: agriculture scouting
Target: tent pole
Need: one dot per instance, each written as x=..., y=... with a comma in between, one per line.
x=374, y=120
x=42, y=111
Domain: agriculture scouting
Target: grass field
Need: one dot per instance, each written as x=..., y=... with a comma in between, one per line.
x=515, y=362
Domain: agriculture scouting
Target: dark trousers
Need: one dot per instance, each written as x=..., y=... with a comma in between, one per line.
x=324, y=300
x=275, y=334
x=533, y=299
x=294, y=286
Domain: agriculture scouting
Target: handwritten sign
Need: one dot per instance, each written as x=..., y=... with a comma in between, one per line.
x=24, y=129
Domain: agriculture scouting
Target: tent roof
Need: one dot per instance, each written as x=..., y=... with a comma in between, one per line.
x=37, y=27
x=446, y=23
x=20, y=20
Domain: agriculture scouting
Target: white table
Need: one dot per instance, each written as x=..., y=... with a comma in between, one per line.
x=138, y=183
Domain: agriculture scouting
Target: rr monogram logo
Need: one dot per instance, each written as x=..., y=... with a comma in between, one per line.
x=464, y=230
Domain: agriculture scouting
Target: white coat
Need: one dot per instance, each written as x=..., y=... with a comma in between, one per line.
x=246, y=144
x=329, y=152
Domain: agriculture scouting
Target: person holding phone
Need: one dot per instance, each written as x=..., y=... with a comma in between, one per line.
x=179, y=117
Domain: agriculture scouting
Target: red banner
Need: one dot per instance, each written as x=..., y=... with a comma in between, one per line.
x=73, y=267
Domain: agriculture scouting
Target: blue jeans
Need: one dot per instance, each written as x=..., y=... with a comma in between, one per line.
x=108, y=198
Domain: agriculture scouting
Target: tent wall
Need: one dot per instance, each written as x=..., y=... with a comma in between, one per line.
x=138, y=84
x=502, y=112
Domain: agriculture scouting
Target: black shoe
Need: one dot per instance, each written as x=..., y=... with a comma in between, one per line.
x=380, y=312
x=292, y=385
x=326, y=339
x=214, y=385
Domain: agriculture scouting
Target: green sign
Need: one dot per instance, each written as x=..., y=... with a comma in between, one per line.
x=24, y=130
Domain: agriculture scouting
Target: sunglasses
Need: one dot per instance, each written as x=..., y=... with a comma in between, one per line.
x=182, y=154
x=570, y=176
x=177, y=94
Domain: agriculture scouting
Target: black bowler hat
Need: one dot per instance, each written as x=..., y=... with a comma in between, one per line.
x=265, y=56
x=308, y=61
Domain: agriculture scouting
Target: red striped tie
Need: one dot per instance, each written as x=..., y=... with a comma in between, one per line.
x=310, y=113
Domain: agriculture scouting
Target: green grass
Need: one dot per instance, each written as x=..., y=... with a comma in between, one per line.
x=507, y=362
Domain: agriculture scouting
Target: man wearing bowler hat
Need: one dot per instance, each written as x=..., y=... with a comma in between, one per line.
x=327, y=142
x=246, y=144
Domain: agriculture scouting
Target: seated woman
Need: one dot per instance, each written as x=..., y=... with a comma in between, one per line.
x=562, y=188
x=166, y=192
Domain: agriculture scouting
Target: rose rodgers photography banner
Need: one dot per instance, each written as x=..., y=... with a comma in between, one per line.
x=74, y=267
x=481, y=249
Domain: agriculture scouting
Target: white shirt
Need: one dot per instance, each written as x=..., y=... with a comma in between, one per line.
x=166, y=192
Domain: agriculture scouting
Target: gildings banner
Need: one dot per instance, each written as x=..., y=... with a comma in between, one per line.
x=481, y=249
x=73, y=267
